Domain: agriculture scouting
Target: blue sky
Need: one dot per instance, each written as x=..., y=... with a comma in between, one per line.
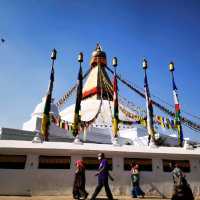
x=161, y=31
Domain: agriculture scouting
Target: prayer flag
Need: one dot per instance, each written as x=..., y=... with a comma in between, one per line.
x=47, y=107
x=177, y=113
x=116, y=109
x=78, y=103
x=149, y=108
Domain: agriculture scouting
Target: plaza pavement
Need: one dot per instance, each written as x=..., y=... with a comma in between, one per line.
x=68, y=198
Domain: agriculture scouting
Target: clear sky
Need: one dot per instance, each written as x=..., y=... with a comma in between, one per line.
x=162, y=31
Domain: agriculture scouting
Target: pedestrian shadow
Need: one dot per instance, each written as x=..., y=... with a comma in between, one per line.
x=104, y=199
x=154, y=188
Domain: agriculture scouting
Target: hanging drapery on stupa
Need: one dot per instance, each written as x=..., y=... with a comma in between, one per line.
x=177, y=107
x=47, y=107
x=149, y=105
x=77, y=117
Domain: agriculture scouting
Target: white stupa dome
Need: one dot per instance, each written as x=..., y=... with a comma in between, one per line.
x=39, y=109
x=89, y=108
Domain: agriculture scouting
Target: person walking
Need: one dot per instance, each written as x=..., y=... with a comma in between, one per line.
x=135, y=178
x=103, y=174
x=79, y=191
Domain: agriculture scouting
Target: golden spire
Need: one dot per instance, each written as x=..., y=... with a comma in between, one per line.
x=98, y=57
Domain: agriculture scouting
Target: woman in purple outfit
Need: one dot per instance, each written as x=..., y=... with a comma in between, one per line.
x=103, y=174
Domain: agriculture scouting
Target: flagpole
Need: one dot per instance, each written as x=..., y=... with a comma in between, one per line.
x=149, y=107
x=177, y=106
x=115, y=119
x=77, y=117
x=47, y=107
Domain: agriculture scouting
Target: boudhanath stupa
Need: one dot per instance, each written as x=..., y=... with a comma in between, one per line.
x=38, y=162
x=96, y=105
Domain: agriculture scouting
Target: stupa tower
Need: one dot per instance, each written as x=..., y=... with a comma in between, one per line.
x=98, y=81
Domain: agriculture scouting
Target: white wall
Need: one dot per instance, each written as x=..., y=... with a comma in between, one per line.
x=34, y=181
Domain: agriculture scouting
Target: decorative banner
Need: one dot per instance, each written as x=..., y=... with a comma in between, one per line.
x=47, y=107
x=77, y=117
x=125, y=102
x=160, y=120
x=177, y=113
x=130, y=115
x=134, y=117
x=187, y=122
x=60, y=123
x=66, y=96
x=163, y=122
x=115, y=119
x=149, y=108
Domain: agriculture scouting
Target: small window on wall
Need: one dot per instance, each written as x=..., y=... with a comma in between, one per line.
x=169, y=164
x=144, y=163
x=12, y=161
x=92, y=163
x=54, y=162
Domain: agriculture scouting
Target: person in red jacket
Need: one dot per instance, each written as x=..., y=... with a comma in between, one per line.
x=79, y=191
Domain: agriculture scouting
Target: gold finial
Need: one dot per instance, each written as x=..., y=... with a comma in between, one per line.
x=98, y=47
x=80, y=57
x=144, y=64
x=114, y=62
x=171, y=66
x=98, y=57
x=53, y=54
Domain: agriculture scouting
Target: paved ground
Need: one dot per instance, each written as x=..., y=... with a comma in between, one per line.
x=70, y=198
x=66, y=198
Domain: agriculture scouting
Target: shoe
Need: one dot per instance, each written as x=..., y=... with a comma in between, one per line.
x=86, y=195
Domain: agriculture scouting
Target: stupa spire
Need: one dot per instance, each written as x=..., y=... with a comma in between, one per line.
x=98, y=80
x=98, y=57
x=98, y=47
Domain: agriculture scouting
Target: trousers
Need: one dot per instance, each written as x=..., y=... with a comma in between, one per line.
x=99, y=187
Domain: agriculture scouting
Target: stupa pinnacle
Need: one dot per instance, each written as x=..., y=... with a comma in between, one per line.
x=94, y=86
